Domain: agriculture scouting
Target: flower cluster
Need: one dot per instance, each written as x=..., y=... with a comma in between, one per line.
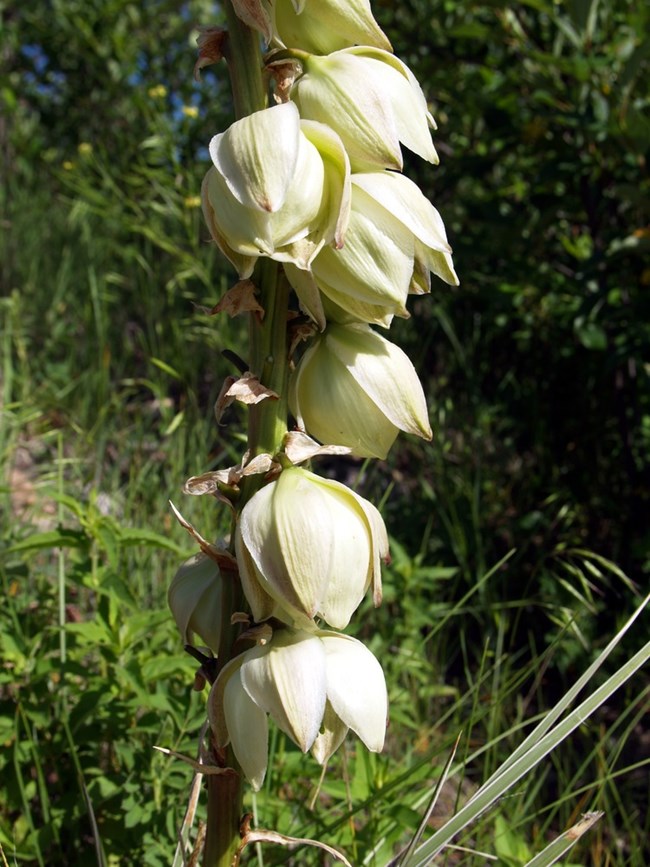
x=315, y=183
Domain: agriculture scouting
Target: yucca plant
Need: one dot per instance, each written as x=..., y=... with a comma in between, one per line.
x=305, y=195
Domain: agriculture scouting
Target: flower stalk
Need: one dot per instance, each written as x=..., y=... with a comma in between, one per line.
x=268, y=358
x=303, y=197
x=244, y=58
x=267, y=423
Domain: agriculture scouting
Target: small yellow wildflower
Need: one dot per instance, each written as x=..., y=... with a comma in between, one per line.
x=192, y=201
x=158, y=91
x=68, y=165
x=85, y=148
x=190, y=111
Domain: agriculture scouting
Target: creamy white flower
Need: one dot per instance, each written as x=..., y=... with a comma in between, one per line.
x=405, y=202
x=323, y=26
x=308, y=546
x=314, y=686
x=279, y=187
x=317, y=26
x=395, y=237
x=195, y=599
x=352, y=387
x=372, y=100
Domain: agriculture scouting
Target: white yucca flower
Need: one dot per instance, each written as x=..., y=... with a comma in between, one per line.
x=354, y=388
x=314, y=686
x=309, y=547
x=372, y=100
x=323, y=26
x=279, y=187
x=395, y=238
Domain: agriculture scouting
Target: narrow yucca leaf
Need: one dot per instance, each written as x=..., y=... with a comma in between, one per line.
x=403, y=858
x=561, y=845
x=538, y=744
x=549, y=720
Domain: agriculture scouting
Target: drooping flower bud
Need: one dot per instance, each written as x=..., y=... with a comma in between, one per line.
x=324, y=26
x=194, y=597
x=279, y=187
x=352, y=387
x=372, y=100
x=395, y=235
x=305, y=681
x=308, y=546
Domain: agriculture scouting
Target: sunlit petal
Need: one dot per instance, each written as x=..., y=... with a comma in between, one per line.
x=287, y=679
x=356, y=688
x=249, y=731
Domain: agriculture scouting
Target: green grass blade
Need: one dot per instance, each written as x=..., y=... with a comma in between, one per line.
x=563, y=704
x=503, y=780
x=97, y=840
x=561, y=845
x=403, y=859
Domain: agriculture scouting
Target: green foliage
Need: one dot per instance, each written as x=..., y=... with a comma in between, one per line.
x=520, y=536
x=537, y=362
x=83, y=705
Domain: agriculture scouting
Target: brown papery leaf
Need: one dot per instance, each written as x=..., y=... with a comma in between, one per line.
x=208, y=483
x=255, y=14
x=261, y=835
x=239, y=299
x=210, y=41
x=222, y=558
x=285, y=73
x=247, y=389
x=300, y=447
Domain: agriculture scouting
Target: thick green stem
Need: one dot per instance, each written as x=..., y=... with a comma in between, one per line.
x=244, y=58
x=224, y=817
x=268, y=360
x=267, y=422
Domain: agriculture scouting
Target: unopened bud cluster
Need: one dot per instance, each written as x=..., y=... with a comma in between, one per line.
x=314, y=183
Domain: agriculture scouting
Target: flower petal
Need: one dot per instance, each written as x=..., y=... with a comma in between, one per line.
x=385, y=373
x=347, y=533
x=257, y=156
x=292, y=576
x=356, y=688
x=330, y=405
x=404, y=200
x=334, y=212
x=249, y=731
x=307, y=291
x=357, y=311
x=243, y=264
x=381, y=548
x=262, y=604
x=215, y=708
x=311, y=544
x=401, y=89
x=376, y=262
x=338, y=90
x=195, y=599
x=440, y=263
x=286, y=678
x=324, y=26
x=331, y=736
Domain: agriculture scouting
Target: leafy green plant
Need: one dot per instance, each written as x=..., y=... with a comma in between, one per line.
x=83, y=703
